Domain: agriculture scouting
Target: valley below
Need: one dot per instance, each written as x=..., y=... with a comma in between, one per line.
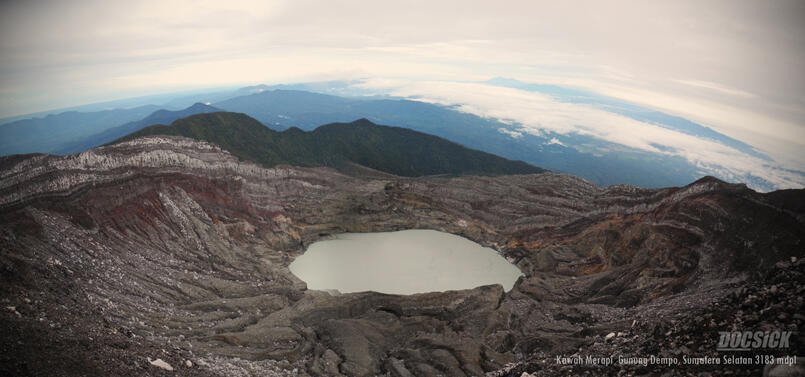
x=172, y=249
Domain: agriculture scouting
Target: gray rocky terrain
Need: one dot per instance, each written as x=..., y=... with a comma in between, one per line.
x=167, y=253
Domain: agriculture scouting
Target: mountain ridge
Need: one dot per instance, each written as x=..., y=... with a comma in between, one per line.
x=54, y=131
x=394, y=150
x=157, y=117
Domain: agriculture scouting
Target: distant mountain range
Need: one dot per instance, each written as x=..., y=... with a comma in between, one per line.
x=157, y=117
x=284, y=108
x=53, y=132
x=306, y=106
x=392, y=150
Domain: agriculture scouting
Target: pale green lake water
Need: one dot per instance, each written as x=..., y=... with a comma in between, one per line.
x=404, y=262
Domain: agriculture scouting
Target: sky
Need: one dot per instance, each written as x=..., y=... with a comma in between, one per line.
x=735, y=66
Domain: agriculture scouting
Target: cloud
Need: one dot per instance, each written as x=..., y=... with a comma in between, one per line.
x=717, y=87
x=555, y=141
x=537, y=113
x=754, y=47
x=780, y=138
x=513, y=134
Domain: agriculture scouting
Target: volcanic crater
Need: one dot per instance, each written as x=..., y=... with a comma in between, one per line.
x=167, y=248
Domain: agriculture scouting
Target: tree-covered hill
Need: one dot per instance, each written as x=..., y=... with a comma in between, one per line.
x=393, y=150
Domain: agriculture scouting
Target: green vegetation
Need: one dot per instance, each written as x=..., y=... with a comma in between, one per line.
x=394, y=150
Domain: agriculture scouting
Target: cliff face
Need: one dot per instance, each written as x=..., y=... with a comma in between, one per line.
x=164, y=247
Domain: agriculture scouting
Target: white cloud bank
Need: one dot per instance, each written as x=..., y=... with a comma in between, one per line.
x=537, y=113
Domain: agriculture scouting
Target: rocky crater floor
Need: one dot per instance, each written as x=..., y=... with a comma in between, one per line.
x=168, y=256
